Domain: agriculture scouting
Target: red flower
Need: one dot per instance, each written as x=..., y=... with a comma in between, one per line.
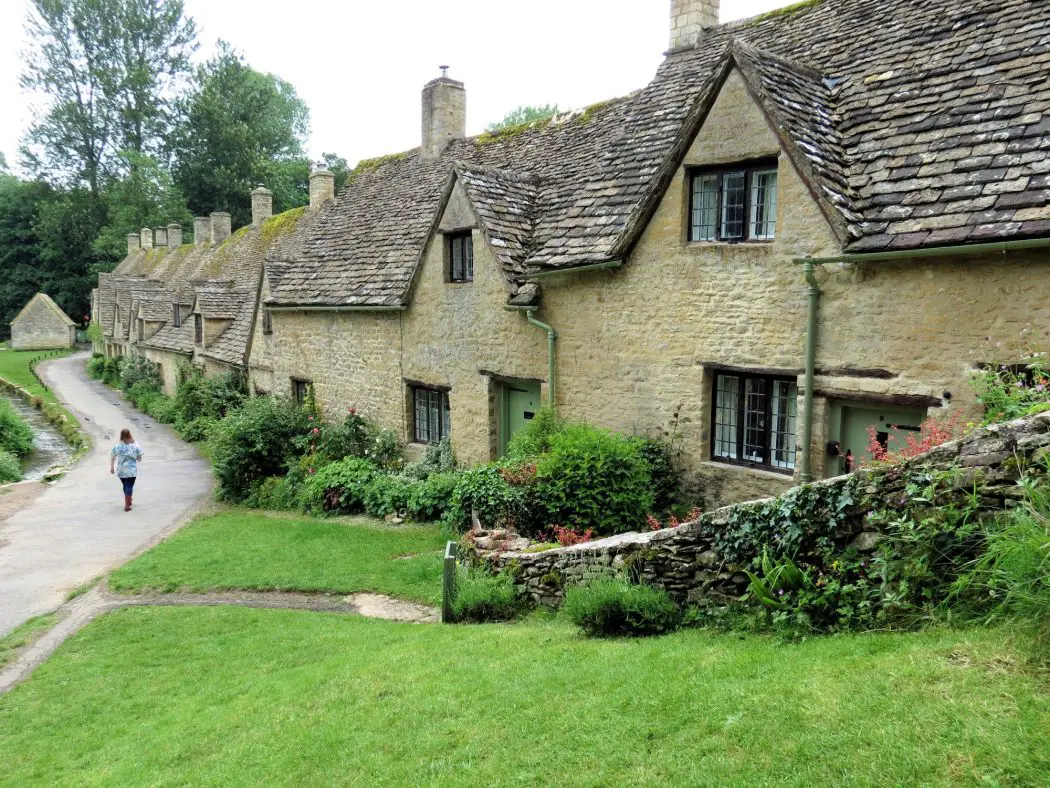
x=313, y=470
x=352, y=411
x=311, y=418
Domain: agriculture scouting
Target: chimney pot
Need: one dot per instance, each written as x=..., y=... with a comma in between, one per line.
x=262, y=205
x=322, y=187
x=134, y=243
x=201, y=230
x=160, y=236
x=688, y=20
x=146, y=238
x=220, y=227
x=174, y=235
x=444, y=114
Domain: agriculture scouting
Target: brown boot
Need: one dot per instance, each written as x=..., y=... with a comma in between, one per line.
x=127, y=503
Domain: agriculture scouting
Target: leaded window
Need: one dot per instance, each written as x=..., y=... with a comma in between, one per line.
x=754, y=420
x=267, y=322
x=735, y=205
x=176, y=315
x=461, y=257
x=431, y=422
x=300, y=391
x=198, y=329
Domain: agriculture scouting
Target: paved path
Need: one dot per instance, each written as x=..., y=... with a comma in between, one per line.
x=78, y=529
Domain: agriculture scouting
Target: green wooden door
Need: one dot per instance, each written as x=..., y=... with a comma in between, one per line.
x=892, y=426
x=520, y=403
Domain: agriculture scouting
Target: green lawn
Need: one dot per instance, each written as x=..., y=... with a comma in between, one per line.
x=234, y=696
x=23, y=635
x=242, y=549
x=14, y=368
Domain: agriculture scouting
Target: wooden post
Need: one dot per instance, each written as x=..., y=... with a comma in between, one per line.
x=448, y=582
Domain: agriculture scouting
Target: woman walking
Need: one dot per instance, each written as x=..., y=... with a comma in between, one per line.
x=126, y=455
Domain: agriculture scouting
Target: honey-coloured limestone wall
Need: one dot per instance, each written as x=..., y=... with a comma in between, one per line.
x=41, y=325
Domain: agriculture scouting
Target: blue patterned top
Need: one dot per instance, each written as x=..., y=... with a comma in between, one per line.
x=127, y=456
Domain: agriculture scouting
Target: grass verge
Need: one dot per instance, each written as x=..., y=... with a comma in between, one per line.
x=12, y=644
x=244, y=549
x=239, y=696
x=14, y=368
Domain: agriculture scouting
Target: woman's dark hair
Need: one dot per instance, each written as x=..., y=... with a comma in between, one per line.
x=125, y=436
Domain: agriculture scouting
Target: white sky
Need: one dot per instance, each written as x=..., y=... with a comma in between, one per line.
x=360, y=64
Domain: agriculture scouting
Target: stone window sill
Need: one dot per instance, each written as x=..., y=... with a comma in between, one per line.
x=788, y=478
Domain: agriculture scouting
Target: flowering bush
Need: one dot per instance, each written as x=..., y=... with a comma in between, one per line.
x=1015, y=389
x=673, y=521
x=932, y=433
x=565, y=537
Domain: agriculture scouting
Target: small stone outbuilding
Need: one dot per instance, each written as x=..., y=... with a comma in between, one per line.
x=42, y=325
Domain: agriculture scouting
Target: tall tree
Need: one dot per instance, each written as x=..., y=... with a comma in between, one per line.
x=524, y=114
x=106, y=69
x=239, y=128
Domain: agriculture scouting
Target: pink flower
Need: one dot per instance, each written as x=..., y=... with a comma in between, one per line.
x=316, y=430
x=352, y=411
x=311, y=418
x=313, y=470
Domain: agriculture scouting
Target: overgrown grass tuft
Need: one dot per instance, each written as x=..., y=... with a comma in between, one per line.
x=611, y=606
x=482, y=597
x=23, y=635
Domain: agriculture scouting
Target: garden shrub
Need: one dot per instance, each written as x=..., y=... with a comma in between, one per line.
x=388, y=494
x=111, y=369
x=1012, y=391
x=138, y=369
x=666, y=483
x=96, y=366
x=16, y=437
x=339, y=487
x=356, y=436
x=143, y=392
x=277, y=493
x=535, y=437
x=437, y=458
x=485, y=489
x=200, y=400
x=254, y=442
x=10, y=467
x=594, y=479
x=482, y=597
x=161, y=408
x=612, y=606
x=428, y=499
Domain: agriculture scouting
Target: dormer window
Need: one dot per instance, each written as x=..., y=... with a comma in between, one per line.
x=461, y=256
x=198, y=329
x=176, y=315
x=733, y=205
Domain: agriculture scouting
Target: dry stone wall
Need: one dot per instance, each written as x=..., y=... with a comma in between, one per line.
x=687, y=562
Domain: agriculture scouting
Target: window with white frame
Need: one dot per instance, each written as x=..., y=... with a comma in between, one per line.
x=754, y=419
x=733, y=205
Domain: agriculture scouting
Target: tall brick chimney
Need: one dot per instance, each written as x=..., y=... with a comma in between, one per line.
x=220, y=227
x=688, y=20
x=262, y=205
x=444, y=114
x=322, y=187
x=146, y=238
x=174, y=235
x=201, y=230
x=134, y=243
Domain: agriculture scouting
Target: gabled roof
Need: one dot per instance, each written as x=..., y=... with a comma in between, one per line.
x=155, y=309
x=46, y=300
x=915, y=124
x=220, y=304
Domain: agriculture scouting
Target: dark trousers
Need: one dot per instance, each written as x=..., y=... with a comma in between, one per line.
x=129, y=485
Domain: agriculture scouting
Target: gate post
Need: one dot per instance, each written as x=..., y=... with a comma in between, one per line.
x=448, y=582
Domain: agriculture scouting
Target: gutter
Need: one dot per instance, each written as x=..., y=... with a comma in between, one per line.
x=395, y=308
x=608, y=264
x=808, y=268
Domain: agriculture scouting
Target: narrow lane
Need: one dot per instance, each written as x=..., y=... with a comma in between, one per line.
x=78, y=529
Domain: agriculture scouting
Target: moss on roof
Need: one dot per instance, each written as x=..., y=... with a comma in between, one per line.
x=371, y=165
x=281, y=224
x=787, y=10
x=490, y=137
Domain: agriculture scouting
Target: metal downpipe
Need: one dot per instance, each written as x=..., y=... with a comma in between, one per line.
x=806, y=474
x=551, y=336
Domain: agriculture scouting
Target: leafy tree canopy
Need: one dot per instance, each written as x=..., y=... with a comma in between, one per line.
x=524, y=114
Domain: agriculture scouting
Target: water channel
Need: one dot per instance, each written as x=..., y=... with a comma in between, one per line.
x=49, y=447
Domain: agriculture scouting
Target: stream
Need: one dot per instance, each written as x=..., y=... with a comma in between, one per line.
x=49, y=447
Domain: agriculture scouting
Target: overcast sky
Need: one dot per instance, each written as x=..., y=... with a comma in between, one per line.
x=360, y=64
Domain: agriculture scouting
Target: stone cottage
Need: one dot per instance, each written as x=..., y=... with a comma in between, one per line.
x=42, y=325
x=804, y=227
x=191, y=305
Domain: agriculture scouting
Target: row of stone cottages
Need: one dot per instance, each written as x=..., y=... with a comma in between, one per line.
x=852, y=192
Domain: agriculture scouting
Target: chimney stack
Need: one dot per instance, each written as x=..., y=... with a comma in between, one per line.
x=133, y=243
x=201, y=230
x=220, y=227
x=444, y=114
x=322, y=187
x=688, y=20
x=160, y=236
x=174, y=235
x=146, y=238
x=262, y=204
